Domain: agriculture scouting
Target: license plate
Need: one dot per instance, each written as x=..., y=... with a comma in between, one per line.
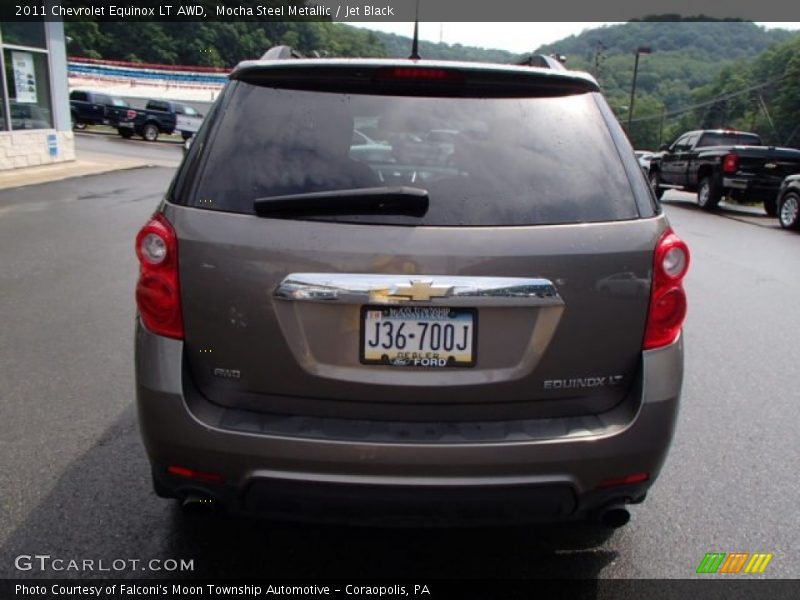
x=418, y=336
x=125, y=124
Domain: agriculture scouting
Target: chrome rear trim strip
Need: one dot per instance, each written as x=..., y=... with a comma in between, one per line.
x=356, y=288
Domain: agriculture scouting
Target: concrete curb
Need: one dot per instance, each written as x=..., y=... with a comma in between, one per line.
x=86, y=164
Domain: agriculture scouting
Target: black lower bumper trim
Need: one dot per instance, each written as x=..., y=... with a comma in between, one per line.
x=370, y=504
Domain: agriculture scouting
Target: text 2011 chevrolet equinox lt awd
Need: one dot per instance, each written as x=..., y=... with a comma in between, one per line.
x=341, y=316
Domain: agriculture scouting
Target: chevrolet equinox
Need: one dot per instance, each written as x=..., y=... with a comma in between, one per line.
x=481, y=330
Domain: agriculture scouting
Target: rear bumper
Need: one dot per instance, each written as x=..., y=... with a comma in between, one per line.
x=750, y=189
x=550, y=475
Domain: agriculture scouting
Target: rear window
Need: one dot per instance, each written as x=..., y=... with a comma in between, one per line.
x=729, y=139
x=157, y=105
x=483, y=161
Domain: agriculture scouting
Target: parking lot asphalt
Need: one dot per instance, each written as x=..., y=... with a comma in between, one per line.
x=75, y=483
x=165, y=152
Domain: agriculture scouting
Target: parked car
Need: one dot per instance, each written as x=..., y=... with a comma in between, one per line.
x=431, y=148
x=500, y=341
x=789, y=203
x=724, y=163
x=644, y=156
x=161, y=117
x=95, y=108
x=365, y=149
x=444, y=141
x=28, y=116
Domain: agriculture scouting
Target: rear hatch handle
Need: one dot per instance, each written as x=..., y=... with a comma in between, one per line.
x=362, y=288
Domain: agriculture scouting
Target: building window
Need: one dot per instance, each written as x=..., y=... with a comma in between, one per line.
x=27, y=78
x=24, y=33
x=28, y=84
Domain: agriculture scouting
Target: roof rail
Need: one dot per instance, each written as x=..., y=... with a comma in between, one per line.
x=281, y=53
x=545, y=61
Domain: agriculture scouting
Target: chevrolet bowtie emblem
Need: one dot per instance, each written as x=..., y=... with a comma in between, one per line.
x=419, y=290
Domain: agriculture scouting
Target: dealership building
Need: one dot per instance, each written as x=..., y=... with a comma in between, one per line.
x=35, y=123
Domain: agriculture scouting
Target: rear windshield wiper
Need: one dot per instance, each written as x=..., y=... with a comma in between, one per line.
x=400, y=200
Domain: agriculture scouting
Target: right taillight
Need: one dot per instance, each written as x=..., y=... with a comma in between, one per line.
x=667, y=298
x=158, y=295
x=131, y=114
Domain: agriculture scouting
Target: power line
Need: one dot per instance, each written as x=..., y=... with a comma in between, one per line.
x=716, y=100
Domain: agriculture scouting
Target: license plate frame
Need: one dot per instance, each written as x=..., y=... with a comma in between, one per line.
x=457, y=313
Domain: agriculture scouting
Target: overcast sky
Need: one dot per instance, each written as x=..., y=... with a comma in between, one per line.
x=515, y=37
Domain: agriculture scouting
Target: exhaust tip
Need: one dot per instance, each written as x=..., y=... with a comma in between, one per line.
x=198, y=503
x=615, y=517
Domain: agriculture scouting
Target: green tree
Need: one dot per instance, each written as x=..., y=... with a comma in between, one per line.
x=786, y=102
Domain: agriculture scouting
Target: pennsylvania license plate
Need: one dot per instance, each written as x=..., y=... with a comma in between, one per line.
x=418, y=336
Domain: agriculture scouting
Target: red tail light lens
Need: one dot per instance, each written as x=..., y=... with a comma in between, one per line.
x=730, y=163
x=626, y=480
x=667, y=298
x=192, y=474
x=418, y=74
x=131, y=114
x=158, y=295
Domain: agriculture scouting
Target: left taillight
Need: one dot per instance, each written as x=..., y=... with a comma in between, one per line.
x=730, y=163
x=131, y=114
x=158, y=294
x=667, y=297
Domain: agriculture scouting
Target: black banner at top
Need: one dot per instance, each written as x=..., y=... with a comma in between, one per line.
x=390, y=10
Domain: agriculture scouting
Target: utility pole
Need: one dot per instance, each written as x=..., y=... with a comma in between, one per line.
x=599, y=57
x=639, y=50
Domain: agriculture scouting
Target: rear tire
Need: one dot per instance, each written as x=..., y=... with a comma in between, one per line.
x=150, y=132
x=655, y=183
x=708, y=194
x=771, y=207
x=789, y=211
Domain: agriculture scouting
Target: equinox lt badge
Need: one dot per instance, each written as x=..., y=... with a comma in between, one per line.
x=581, y=382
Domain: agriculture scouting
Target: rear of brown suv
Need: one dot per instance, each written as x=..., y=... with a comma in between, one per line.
x=340, y=318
